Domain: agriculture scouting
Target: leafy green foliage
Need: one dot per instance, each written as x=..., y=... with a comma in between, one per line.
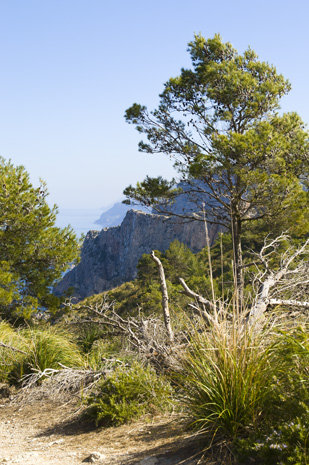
x=128, y=393
x=8, y=285
x=160, y=189
x=34, y=253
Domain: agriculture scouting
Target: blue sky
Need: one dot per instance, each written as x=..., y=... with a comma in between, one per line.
x=70, y=68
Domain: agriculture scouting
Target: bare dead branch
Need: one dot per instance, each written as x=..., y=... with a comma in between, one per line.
x=165, y=309
x=281, y=286
x=12, y=348
x=289, y=303
x=201, y=300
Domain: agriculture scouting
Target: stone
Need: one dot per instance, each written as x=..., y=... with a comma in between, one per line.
x=95, y=457
x=53, y=443
x=149, y=461
x=4, y=390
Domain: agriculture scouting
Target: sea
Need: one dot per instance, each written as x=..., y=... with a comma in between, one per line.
x=81, y=220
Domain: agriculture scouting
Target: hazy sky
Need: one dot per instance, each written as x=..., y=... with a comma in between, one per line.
x=70, y=68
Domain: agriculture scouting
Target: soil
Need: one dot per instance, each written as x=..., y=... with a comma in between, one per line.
x=51, y=432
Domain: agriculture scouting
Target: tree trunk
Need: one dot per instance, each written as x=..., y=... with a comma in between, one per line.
x=166, y=313
x=262, y=299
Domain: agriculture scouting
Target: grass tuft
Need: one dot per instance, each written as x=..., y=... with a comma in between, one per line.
x=47, y=348
x=228, y=369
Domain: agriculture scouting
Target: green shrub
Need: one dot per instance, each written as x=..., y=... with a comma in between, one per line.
x=128, y=393
x=282, y=435
x=280, y=441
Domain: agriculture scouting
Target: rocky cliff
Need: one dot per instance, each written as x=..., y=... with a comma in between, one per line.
x=109, y=257
x=115, y=215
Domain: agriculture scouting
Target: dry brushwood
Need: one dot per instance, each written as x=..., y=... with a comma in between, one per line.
x=63, y=383
x=65, y=379
x=201, y=303
x=146, y=336
x=287, y=284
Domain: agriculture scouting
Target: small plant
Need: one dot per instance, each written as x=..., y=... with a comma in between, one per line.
x=88, y=335
x=128, y=393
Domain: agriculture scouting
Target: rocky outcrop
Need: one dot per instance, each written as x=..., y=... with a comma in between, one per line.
x=115, y=215
x=109, y=257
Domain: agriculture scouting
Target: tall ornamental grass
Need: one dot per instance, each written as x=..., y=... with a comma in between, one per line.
x=227, y=372
x=12, y=349
x=47, y=348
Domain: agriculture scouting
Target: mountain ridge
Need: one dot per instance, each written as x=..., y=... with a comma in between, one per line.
x=109, y=257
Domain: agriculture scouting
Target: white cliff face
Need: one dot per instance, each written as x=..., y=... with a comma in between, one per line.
x=109, y=257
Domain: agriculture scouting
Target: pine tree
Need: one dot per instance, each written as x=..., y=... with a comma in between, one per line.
x=34, y=253
x=243, y=162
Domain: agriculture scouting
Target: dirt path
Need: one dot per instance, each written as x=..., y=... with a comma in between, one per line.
x=49, y=433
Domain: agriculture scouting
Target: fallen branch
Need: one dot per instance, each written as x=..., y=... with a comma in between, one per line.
x=12, y=348
x=289, y=303
x=293, y=269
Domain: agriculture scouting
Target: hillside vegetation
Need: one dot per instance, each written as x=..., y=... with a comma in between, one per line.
x=241, y=383
x=221, y=336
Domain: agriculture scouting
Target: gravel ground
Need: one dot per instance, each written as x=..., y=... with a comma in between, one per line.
x=53, y=433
